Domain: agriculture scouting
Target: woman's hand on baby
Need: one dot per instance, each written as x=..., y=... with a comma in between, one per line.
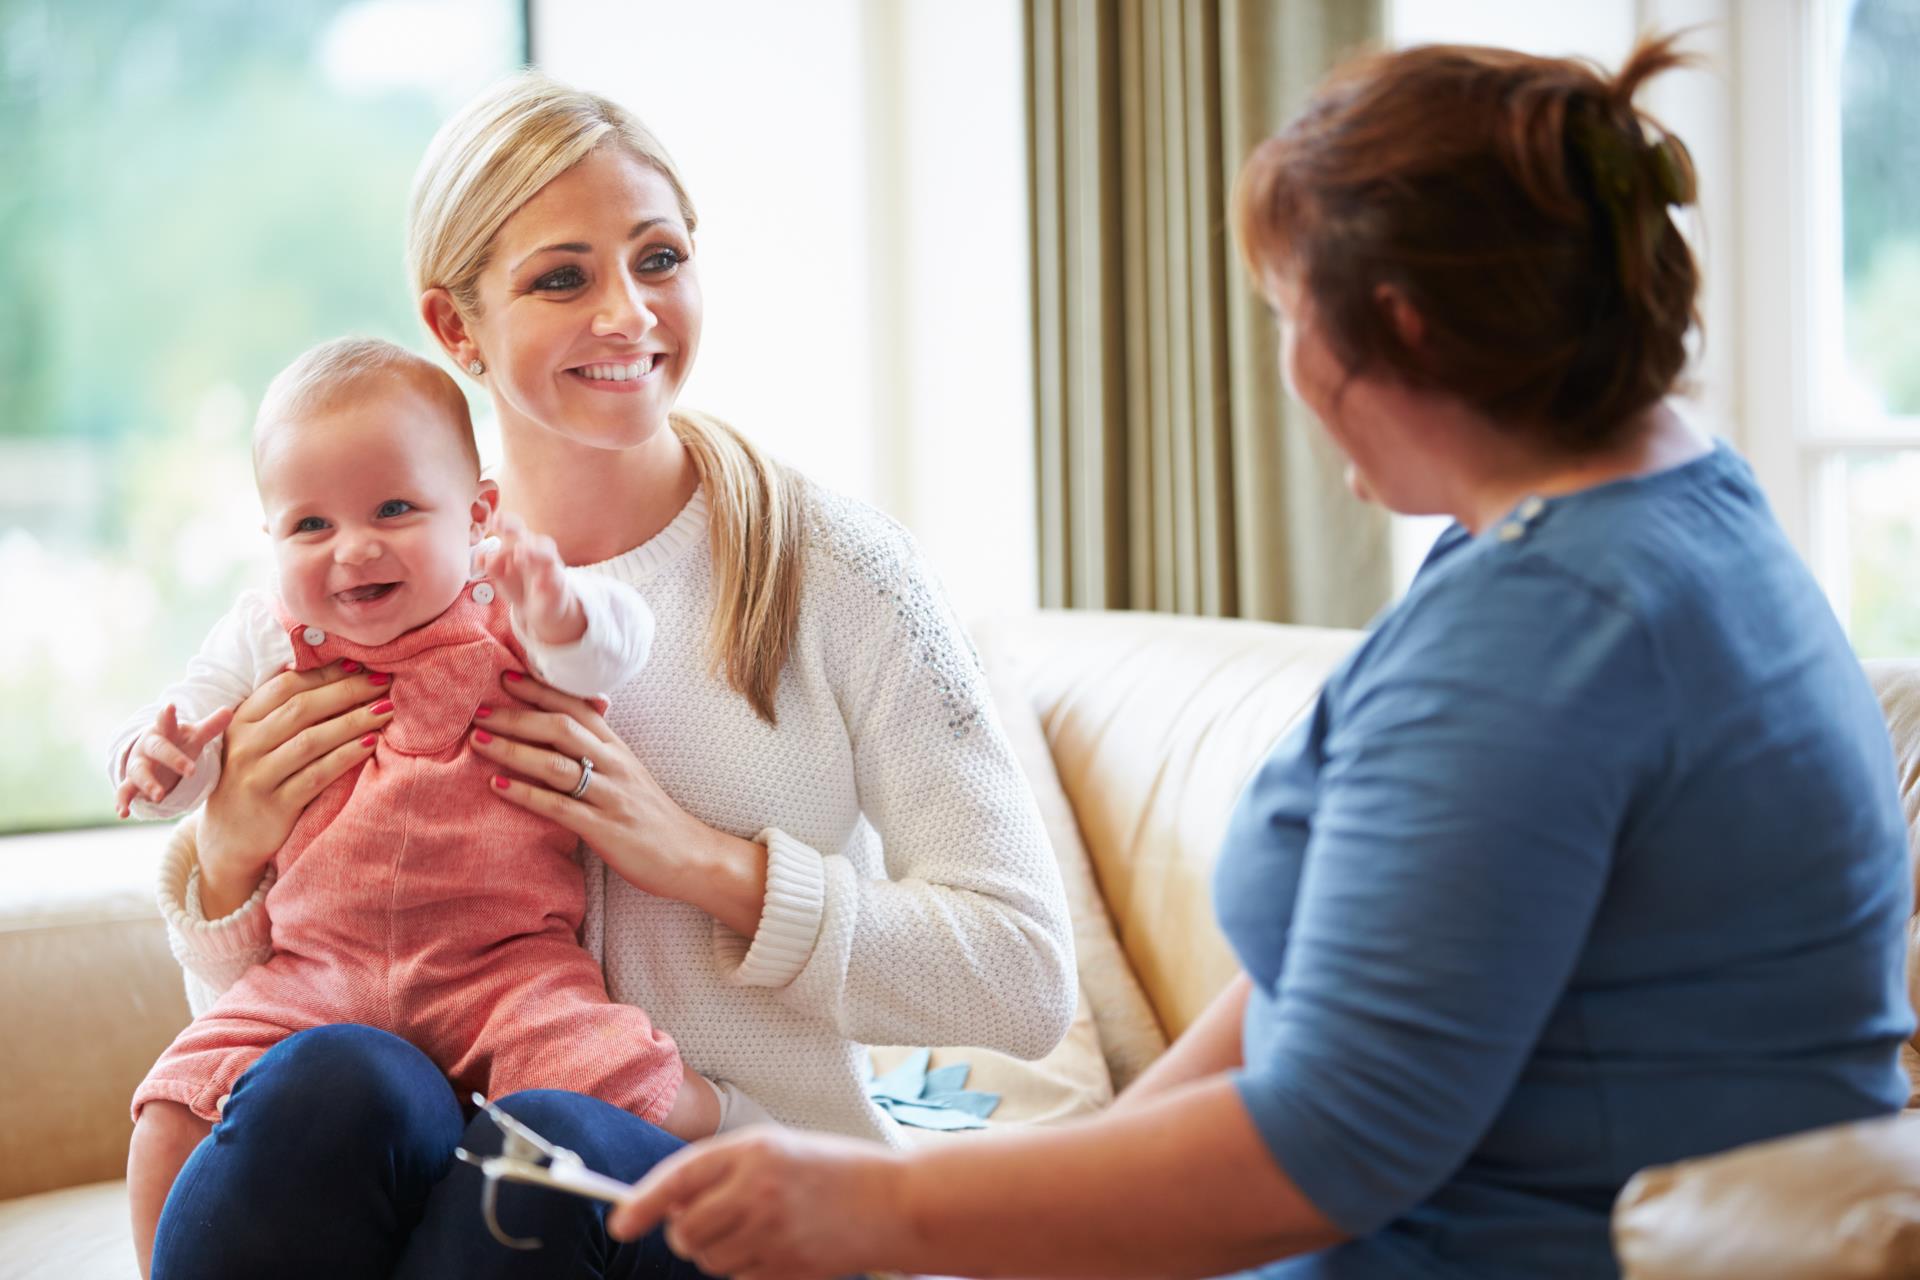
x=772, y=1202
x=165, y=754
x=528, y=570
x=623, y=815
x=290, y=740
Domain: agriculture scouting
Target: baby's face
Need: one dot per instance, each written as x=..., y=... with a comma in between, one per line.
x=373, y=505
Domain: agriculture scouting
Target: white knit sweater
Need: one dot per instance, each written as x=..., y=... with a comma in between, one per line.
x=911, y=895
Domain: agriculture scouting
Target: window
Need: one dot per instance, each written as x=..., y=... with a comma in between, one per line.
x=863, y=246
x=1864, y=429
x=1829, y=229
x=195, y=193
x=1808, y=231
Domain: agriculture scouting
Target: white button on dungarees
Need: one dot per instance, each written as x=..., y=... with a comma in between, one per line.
x=483, y=593
x=314, y=635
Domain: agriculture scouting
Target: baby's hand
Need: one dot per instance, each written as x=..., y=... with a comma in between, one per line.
x=164, y=754
x=528, y=569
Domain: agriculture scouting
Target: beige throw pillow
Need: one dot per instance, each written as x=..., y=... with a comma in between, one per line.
x=1129, y=1033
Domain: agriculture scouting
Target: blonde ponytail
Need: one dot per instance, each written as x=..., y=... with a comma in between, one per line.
x=756, y=522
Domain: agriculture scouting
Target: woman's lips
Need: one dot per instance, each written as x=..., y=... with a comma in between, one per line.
x=620, y=376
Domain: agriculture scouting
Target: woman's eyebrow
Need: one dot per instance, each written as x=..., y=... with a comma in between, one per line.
x=580, y=246
x=572, y=246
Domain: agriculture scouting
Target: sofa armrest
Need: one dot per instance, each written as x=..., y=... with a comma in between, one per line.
x=91, y=996
x=1840, y=1203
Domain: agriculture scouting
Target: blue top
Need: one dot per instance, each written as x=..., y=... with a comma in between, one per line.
x=1590, y=857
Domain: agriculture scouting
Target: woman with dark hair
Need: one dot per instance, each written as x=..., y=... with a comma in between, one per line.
x=1589, y=856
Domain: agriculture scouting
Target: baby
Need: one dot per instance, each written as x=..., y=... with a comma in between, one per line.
x=405, y=898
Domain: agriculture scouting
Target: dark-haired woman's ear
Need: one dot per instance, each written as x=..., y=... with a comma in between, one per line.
x=1409, y=326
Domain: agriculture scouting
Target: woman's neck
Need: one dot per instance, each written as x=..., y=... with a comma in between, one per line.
x=594, y=503
x=1657, y=440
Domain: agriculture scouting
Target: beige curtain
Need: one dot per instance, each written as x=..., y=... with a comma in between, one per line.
x=1174, y=473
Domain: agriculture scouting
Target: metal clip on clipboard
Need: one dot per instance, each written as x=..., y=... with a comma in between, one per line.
x=527, y=1157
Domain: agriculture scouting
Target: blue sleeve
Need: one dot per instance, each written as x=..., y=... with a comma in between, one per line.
x=1476, y=769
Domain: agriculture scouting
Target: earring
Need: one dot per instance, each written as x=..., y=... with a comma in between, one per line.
x=475, y=368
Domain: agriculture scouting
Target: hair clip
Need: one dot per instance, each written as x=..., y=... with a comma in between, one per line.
x=1671, y=170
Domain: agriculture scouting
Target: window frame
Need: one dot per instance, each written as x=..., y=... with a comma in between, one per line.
x=1791, y=287
x=16, y=827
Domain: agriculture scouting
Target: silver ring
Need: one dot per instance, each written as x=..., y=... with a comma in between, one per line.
x=586, y=776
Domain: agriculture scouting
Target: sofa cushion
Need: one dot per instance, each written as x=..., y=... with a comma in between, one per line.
x=1070, y=1082
x=79, y=1233
x=92, y=997
x=1841, y=1203
x=1155, y=723
x=1897, y=683
x=1129, y=1033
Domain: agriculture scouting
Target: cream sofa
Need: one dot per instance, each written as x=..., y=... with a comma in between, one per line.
x=1137, y=731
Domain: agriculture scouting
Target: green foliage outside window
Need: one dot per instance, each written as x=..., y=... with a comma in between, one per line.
x=1880, y=178
x=1880, y=175
x=194, y=192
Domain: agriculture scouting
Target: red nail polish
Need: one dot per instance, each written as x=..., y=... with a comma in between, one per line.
x=370, y=739
x=515, y=675
x=349, y=666
x=483, y=712
x=499, y=782
x=481, y=735
x=383, y=706
x=379, y=677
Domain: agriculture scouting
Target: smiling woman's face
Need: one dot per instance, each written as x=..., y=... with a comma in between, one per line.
x=590, y=307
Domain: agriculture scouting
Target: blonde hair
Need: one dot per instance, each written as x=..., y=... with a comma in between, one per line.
x=492, y=157
x=321, y=377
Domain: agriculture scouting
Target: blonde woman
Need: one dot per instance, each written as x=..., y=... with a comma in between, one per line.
x=806, y=830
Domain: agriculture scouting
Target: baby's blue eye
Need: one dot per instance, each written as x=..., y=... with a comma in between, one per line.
x=394, y=507
x=309, y=524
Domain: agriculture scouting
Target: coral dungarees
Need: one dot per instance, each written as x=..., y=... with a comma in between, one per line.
x=409, y=899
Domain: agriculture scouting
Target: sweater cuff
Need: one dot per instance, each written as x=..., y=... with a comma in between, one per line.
x=243, y=933
x=612, y=650
x=789, y=918
x=186, y=794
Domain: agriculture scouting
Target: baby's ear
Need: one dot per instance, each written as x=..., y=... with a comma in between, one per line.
x=486, y=508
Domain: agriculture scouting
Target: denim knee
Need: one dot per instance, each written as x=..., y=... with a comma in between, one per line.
x=336, y=1088
x=320, y=1166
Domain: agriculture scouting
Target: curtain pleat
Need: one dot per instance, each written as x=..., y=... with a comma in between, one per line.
x=1173, y=474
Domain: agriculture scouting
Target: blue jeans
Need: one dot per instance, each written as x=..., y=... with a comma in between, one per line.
x=334, y=1158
